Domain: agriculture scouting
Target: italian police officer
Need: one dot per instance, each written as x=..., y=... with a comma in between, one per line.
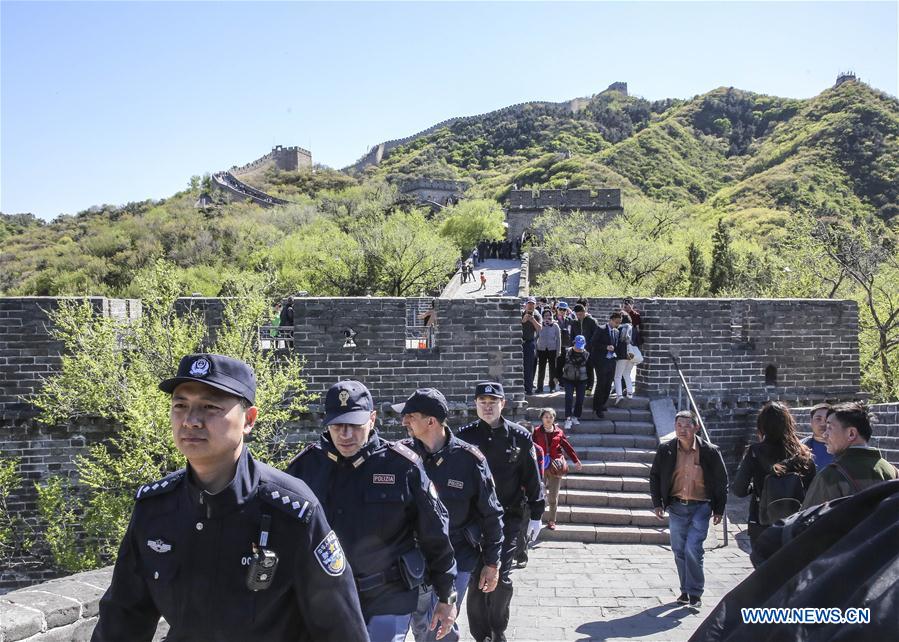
x=227, y=548
x=385, y=511
x=465, y=485
x=510, y=454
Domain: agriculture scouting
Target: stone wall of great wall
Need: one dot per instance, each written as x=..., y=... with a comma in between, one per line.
x=735, y=354
x=575, y=105
x=376, y=153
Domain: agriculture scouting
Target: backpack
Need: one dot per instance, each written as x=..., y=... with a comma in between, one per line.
x=574, y=371
x=781, y=496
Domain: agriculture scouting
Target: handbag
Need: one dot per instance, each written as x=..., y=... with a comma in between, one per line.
x=558, y=467
x=634, y=354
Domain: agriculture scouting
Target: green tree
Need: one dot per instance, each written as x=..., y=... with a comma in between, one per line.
x=409, y=256
x=111, y=369
x=868, y=253
x=15, y=534
x=470, y=221
x=697, y=270
x=723, y=272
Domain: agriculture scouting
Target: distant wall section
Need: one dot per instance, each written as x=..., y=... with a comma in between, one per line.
x=525, y=205
x=284, y=158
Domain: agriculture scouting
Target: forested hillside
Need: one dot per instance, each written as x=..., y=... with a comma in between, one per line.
x=728, y=193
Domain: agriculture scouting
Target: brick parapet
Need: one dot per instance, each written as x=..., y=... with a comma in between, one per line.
x=28, y=353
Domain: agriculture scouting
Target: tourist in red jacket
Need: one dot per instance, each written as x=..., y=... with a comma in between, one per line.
x=550, y=437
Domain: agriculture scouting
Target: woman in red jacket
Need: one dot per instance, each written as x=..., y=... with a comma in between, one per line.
x=552, y=440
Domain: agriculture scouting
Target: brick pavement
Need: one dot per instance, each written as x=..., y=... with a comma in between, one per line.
x=577, y=591
x=493, y=269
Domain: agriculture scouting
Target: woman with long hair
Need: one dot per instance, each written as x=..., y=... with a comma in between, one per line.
x=777, y=454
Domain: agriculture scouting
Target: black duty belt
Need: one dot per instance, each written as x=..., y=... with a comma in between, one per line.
x=376, y=580
x=688, y=502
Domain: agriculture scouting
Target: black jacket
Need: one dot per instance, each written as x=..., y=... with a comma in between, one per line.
x=597, y=346
x=513, y=461
x=185, y=557
x=713, y=471
x=757, y=464
x=837, y=555
x=465, y=485
x=382, y=505
x=585, y=328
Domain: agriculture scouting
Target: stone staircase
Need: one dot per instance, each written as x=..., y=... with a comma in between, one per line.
x=608, y=500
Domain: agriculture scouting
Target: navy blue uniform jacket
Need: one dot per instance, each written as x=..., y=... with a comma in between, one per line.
x=513, y=461
x=465, y=485
x=381, y=502
x=185, y=557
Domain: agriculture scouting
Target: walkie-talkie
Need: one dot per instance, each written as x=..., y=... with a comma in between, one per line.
x=264, y=562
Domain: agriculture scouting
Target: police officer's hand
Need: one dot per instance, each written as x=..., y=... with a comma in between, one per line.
x=444, y=615
x=659, y=511
x=533, y=530
x=489, y=579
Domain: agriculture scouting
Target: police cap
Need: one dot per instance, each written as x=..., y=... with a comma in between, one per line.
x=490, y=389
x=216, y=370
x=427, y=401
x=348, y=402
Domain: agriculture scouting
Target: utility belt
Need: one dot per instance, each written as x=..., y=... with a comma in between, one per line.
x=410, y=569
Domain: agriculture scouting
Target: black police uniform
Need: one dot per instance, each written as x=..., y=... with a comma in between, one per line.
x=383, y=507
x=511, y=457
x=187, y=555
x=465, y=486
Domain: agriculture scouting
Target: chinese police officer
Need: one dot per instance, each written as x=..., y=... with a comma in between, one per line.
x=510, y=454
x=462, y=477
x=227, y=548
x=385, y=511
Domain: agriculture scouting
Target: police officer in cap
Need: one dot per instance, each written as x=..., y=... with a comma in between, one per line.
x=465, y=485
x=227, y=548
x=385, y=511
x=510, y=454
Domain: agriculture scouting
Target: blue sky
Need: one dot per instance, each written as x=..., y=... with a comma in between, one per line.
x=120, y=101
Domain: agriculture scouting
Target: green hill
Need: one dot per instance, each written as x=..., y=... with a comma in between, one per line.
x=806, y=192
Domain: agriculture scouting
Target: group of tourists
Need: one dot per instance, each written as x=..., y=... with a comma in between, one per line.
x=575, y=350
x=504, y=249
x=787, y=479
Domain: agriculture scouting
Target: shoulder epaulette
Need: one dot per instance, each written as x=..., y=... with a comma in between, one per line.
x=295, y=503
x=518, y=430
x=305, y=450
x=164, y=485
x=474, y=450
x=405, y=451
x=467, y=426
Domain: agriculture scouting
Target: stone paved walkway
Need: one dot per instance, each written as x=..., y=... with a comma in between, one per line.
x=576, y=591
x=493, y=268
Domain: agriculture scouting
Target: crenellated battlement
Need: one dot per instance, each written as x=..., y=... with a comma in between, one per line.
x=581, y=199
x=287, y=159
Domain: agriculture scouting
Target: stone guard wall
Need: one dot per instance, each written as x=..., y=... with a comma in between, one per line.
x=724, y=347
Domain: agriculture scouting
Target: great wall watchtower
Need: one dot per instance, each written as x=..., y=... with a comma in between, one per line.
x=287, y=159
x=525, y=205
